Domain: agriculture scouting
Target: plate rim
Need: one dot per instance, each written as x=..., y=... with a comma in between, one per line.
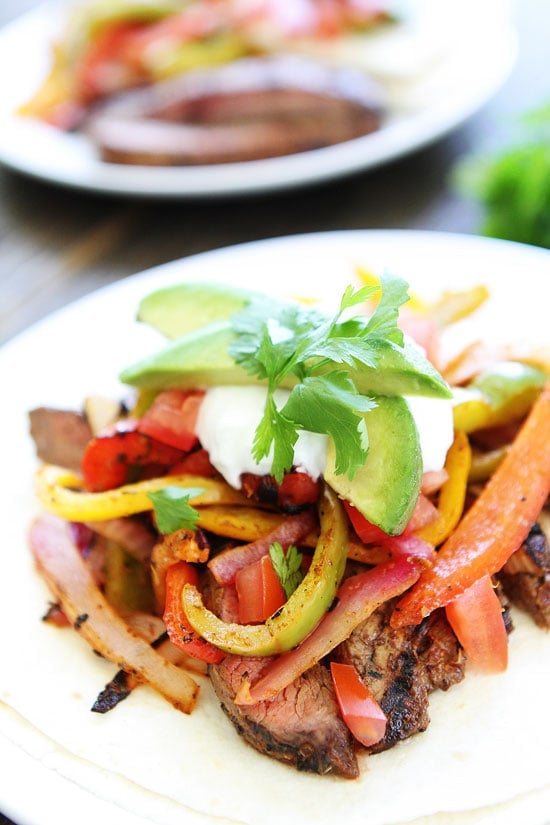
x=271, y=175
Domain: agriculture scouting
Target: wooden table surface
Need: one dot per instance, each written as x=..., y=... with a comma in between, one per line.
x=57, y=244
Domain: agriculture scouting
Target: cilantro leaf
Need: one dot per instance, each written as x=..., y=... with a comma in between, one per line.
x=275, y=430
x=275, y=340
x=254, y=347
x=288, y=566
x=352, y=297
x=330, y=404
x=383, y=322
x=172, y=509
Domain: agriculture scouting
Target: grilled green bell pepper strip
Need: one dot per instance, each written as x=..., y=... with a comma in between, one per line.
x=127, y=586
x=500, y=395
x=303, y=610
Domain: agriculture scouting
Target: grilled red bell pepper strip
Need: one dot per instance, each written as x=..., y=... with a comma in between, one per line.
x=496, y=524
x=124, y=455
x=177, y=626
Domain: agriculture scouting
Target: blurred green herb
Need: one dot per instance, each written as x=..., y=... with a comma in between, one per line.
x=513, y=185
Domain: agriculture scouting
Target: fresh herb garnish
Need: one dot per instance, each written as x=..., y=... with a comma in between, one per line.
x=288, y=566
x=512, y=185
x=275, y=339
x=172, y=509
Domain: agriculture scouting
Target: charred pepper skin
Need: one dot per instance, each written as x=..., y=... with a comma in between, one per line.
x=303, y=610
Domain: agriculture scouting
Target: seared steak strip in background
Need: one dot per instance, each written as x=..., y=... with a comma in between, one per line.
x=249, y=109
x=300, y=726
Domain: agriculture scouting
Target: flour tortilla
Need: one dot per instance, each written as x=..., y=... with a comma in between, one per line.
x=485, y=752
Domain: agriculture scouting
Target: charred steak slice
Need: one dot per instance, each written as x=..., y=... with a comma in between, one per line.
x=402, y=667
x=525, y=577
x=300, y=726
x=248, y=109
x=60, y=436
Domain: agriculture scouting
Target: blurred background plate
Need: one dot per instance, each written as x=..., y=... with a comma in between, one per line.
x=436, y=76
x=147, y=762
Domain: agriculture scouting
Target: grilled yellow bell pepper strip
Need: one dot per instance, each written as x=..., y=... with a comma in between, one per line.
x=453, y=492
x=500, y=395
x=60, y=492
x=244, y=523
x=449, y=308
x=303, y=610
x=454, y=306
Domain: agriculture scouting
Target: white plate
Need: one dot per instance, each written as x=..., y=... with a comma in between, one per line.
x=461, y=56
x=147, y=762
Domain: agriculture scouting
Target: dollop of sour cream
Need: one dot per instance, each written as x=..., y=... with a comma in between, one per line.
x=226, y=424
x=434, y=421
x=228, y=418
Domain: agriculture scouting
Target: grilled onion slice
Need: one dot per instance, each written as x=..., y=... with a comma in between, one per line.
x=91, y=615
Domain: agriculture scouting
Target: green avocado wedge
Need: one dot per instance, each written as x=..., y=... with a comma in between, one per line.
x=198, y=359
x=201, y=359
x=385, y=489
x=182, y=308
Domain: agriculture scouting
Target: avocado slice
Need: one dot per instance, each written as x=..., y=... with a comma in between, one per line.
x=198, y=359
x=386, y=487
x=201, y=358
x=182, y=308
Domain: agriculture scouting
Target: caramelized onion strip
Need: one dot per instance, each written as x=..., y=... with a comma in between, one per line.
x=91, y=615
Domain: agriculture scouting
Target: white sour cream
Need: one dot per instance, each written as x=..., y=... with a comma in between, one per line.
x=226, y=424
x=434, y=421
x=228, y=418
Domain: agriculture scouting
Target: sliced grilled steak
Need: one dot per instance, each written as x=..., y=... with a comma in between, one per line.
x=525, y=577
x=402, y=667
x=301, y=726
x=60, y=436
x=246, y=110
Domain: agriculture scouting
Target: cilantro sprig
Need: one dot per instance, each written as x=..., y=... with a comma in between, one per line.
x=275, y=339
x=287, y=566
x=172, y=509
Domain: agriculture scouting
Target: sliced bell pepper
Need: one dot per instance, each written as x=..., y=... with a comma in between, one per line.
x=357, y=598
x=501, y=394
x=60, y=492
x=124, y=455
x=243, y=523
x=303, y=610
x=454, y=306
x=177, y=626
x=496, y=524
x=452, y=494
x=127, y=586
